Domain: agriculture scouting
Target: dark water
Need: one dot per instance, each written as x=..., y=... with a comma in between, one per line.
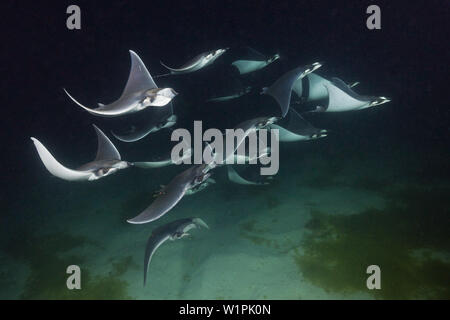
x=374, y=192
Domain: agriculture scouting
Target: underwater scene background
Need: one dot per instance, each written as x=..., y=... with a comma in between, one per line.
x=375, y=191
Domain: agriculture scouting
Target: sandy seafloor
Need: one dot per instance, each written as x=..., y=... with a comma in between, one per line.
x=309, y=235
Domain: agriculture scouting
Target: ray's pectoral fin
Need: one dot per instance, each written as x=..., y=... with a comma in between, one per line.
x=93, y=111
x=162, y=204
x=200, y=223
x=174, y=230
x=153, y=243
x=57, y=169
x=282, y=88
x=233, y=176
x=182, y=69
x=139, y=78
x=105, y=148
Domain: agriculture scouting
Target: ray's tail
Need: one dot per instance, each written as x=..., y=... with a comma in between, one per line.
x=162, y=75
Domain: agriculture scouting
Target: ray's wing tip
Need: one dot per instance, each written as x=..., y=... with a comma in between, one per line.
x=134, y=221
x=284, y=111
x=117, y=136
x=38, y=145
x=200, y=222
x=138, y=220
x=67, y=92
x=165, y=66
x=69, y=95
x=103, y=135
